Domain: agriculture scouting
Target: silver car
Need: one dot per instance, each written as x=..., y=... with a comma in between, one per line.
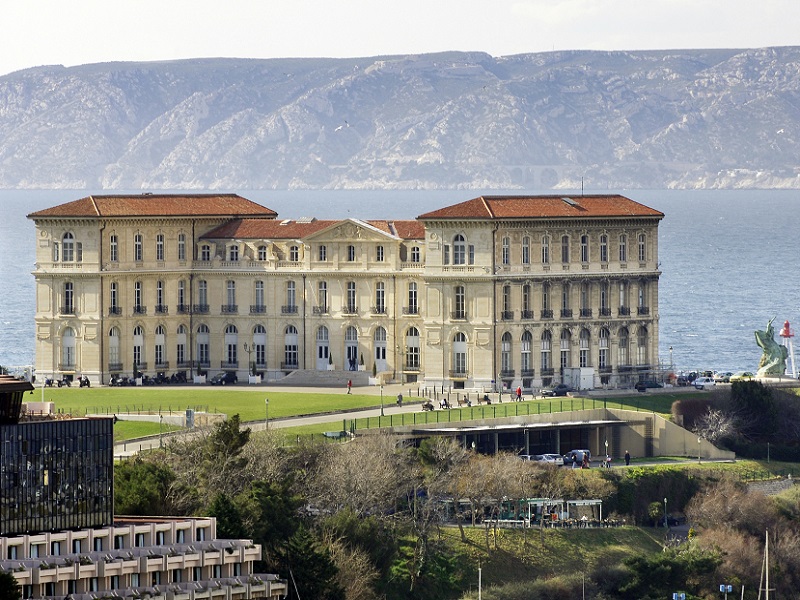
x=704, y=383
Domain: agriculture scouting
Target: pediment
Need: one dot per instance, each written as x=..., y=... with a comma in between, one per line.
x=351, y=229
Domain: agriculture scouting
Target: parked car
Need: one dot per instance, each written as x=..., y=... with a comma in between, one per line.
x=562, y=389
x=641, y=386
x=742, y=376
x=552, y=459
x=567, y=458
x=723, y=377
x=704, y=383
x=224, y=378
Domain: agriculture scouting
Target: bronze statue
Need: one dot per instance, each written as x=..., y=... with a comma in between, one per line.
x=773, y=360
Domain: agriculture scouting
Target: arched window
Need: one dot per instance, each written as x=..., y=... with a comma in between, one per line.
x=205, y=252
x=262, y=253
x=566, y=349
x=323, y=348
x=233, y=253
x=379, y=342
x=260, y=346
x=231, y=342
x=505, y=354
x=351, y=347
x=138, y=345
x=641, y=346
x=603, y=357
x=180, y=346
x=546, y=349
x=114, y=360
x=202, y=341
x=159, y=348
x=294, y=253
x=290, y=348
x=68, y=247
x=68, y=349
x=459, y=250
x=459, y=355
x=585, y=339
x=412, y=349
x=623, y=347
x=526, y=362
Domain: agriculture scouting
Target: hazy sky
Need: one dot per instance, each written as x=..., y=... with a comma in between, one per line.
x=41, y=32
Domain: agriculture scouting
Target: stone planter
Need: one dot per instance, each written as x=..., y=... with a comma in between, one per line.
x=331, y=367
x=253, y=379
x=138, y=381
x=362, y=367
x=199, y=378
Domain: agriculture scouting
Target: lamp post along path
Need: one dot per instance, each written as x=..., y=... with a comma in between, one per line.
x=266, y=413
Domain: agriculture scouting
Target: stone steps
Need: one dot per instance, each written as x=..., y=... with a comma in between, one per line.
x=332, y=379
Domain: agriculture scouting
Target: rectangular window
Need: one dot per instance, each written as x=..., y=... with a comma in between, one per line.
x=379, y=254
x=181, y=246
x=445, y=254
x=545, y=251
x=623, y=248
x=506, y=252
x=322, y=253
x=526, y=250
x=160, y=247
x=564, y=248
x=113, y=254
x=604, y=248
x=351, y=253
x=415, y=258
x=137, y=247
x=259, y=290
x=78, y=252
x=584, y=248
x=471, y=258
x=233, y=253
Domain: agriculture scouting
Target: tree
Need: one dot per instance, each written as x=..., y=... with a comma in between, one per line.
x=141, y=488
x=229, y=519
x=9, y=586
x=310, y=568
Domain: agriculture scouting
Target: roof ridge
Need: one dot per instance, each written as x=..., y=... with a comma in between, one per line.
x=487, y=207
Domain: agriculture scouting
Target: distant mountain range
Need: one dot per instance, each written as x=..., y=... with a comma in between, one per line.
x=612, y=120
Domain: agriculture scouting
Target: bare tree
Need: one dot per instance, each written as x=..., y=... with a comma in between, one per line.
x=715, y=425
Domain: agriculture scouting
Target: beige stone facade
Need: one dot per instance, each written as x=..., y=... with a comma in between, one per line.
x=527, y=291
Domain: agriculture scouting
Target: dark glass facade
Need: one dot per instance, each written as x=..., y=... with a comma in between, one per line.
x=56, y=474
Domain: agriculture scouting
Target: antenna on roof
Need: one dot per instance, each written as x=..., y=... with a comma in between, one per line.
x=581, y=186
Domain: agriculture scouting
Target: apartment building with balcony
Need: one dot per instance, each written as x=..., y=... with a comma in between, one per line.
x=511, y=289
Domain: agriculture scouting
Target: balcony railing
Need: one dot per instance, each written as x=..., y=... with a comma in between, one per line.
x=350, y=309
x=586, y=312
x=566, y=313
x=202, y=364
x=378, y=310
x=287, y=366
x=140, y=310
x=162, y=366
x=459, y=315
x=624, y=368
x=229, y=309
x=624, y=311
x=643, y=310
x=528, y=372
x=227, y=364
x=547, y=313
x=162, y=309
x=604, y=311
x=183, y=309
x=411, y=310
x=114, y=311
x=141, y=366
x=605, y=370
x=200, y=309
x=527, y=314
x=67, y=310
x=507, y=315
x=412, y=366
x=115, y=367
x=183, y=364
x=507, y=373
x=66, y=366
x=458, y=374
x=289, y=309
x=320, y=310
x=548, y=372
x=257, y=309
x=261, y=364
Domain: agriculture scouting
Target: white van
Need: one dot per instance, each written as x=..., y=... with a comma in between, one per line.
x=703, y=383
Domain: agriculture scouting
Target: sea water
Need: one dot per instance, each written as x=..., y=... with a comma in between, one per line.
x=730, y=261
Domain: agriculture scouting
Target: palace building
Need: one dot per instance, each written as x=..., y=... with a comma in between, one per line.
x=520, y=290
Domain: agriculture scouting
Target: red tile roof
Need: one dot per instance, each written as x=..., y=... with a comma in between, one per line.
x=292, y=230
x=157, y=205
x=544, y=207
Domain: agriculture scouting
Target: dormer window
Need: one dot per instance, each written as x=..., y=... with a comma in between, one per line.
x=205, y=252
x=294, y=253
x=233, y=253
x=262, y=253
x=68, y=247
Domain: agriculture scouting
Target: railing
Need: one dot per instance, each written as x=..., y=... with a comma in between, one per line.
x=378, y=310
x=350, y=309
x=289, y=366
x=548, y=372
x=114, y=310
x=624, y=368
x=162, y=309
x=586, y=312
x=604, y=311
x=527, y=373
x=459, y=315
x=229, y=309
x=411, y=310
x=458, y=374
x=140, y=310
x=605, y=370
x=507, y=373
x=200, y=309
x=320, y=310
x=412, y=366
x=183, y=309
x=226, y=364
x=261, y=365
x=624, y=311
x=141, y=366
x=289, y=309
x=293, y=264
x=66, y=366
x=643, y=310
x=547, y=313
x=67, y=310
x=507, y=315
x=115, y=367
x=257, y=309
x=162, y=366
x=202, y=364
x=527, y=314
x=566, y=313
x=183, y=364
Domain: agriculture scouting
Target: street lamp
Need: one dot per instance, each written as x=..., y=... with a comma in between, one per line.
x=266, y=413
x=670, y=358
x=249, y=350
x=381, y=398
x=699, y=450
x=160, y=431
x=605, y=460
x=665, y=513
x=725, y=589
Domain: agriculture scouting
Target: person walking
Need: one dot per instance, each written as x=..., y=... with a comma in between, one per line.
x=349, y=385
x=627, y=458
x=519, y=394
